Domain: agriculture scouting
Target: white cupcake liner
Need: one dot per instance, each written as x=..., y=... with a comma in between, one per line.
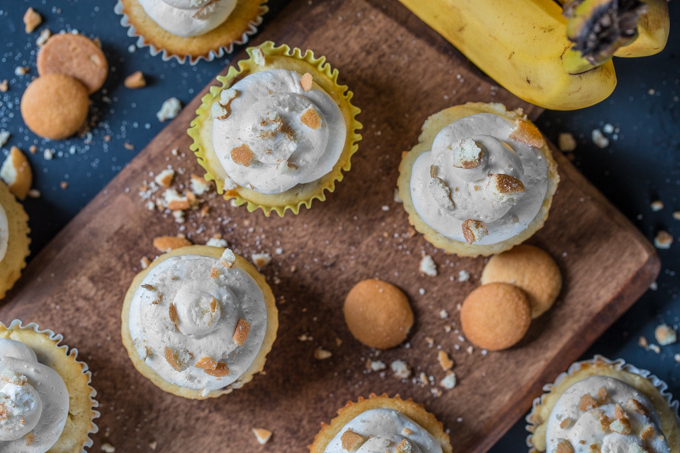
x=86, y=371
x=618, y=364
x=219, y=53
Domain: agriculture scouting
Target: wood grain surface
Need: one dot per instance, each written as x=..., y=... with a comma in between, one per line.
x=400, y=72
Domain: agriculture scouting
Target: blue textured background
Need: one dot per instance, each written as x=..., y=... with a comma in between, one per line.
x=641, y=165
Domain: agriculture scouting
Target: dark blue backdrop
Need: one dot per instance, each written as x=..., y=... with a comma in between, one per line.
x=640, y=166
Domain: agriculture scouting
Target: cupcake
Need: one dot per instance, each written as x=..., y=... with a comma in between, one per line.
x=46, y=402
x=480, y=180
x=382, y=424
x=278, y=132
x=604, y=406
x=191, y=29
x=13, y=239
x=199, y=322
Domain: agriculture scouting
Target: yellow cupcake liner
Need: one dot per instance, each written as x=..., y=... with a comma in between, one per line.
x=75, y=438
x=236, y=30
x=17, y=246
x=645, y=382
x=409, y=408
x=302, y=194
x=258, y=363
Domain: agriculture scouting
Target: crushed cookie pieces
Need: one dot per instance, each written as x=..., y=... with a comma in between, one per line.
x=206, y=363
x=322, y=354
x=262, y=435
x=352, y=441
x=527, y=133
x=311, y=118
x=587, y=403
x=241, y=332
x=135, y=81
x=168, y=243
x=444, y=360
x=221, y=370
x=306, y=81
x=31, y=20
x=242, y=155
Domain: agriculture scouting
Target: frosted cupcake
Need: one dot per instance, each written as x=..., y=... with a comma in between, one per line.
x=278, y=132
x=199, y=322
x=604, y=406
x=46, y=402
x=192, y=29
x=480, y=180
x=14, y=239
x=382, y=424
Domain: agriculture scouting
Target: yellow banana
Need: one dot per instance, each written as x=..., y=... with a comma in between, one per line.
x=520, y=44
x=652, y=31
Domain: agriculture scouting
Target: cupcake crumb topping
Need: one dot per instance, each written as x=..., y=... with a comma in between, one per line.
x=242, y=155
x=241, y=331
x=306, y=81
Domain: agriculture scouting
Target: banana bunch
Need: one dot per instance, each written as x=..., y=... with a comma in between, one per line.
x=555, y=54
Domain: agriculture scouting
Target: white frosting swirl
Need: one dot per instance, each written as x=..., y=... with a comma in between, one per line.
x=206, y=313
x=266, y=112
x=384, y=430
x=472, y=190
x=34, y=401
x=583, y=428
x=188, y=18
x=4, y=233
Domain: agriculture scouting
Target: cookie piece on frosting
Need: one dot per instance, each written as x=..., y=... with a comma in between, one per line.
x=378, y=314
x=495, y=316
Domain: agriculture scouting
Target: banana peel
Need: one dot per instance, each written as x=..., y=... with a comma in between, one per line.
x=652, y=29
x=520, y=44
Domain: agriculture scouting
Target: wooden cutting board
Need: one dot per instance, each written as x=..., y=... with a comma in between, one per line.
x=400, y=72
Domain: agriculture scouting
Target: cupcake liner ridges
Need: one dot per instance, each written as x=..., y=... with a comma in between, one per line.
x=14, y=260
x=72, y=353
x=212, y=54
x=619, y=365
x=304, y=194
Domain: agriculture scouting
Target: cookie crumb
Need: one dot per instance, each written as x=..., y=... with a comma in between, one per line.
x=261, y=259
x=566, y=142
x=322, y=354
x=4, y=86
x=306, y=81
x=217, y=242
x=262, y=435
x=657, y=205
x=31, y=20
x=400, y=369
x=108, y=448
x=663, y=240
x=665, y=335
x=428, y=266
x=63, y=185
x=449, y=381
x=463, y=276
x=444, y=361
x=43, y=37
x=599, y=139
x=135, y=80
x=169, y=110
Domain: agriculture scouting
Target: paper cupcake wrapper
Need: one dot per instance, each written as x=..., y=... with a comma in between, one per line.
x=618, y=364
x=351, y=144
x=216, y=53
x=86, y=371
